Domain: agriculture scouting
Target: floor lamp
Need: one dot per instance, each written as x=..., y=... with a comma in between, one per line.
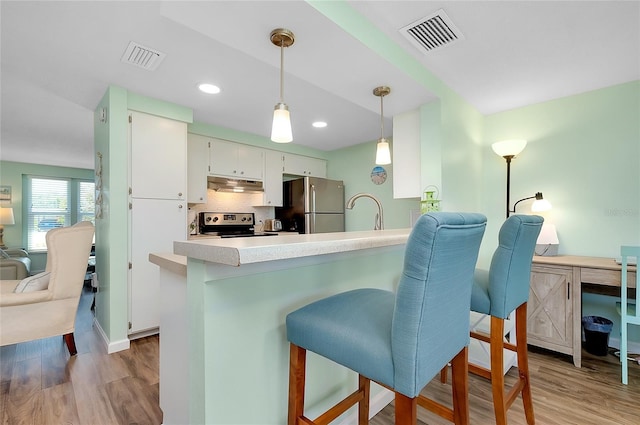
x=508, y=149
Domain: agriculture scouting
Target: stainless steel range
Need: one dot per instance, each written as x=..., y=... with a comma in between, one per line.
x=228, y=225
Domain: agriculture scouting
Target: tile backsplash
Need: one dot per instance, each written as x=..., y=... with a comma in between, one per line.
x=233, y=203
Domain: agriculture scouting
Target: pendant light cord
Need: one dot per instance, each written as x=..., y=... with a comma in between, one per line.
x=381, y=119
x=281, y=71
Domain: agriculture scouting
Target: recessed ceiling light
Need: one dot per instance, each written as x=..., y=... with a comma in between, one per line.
x=319, y=124
x=209, y=88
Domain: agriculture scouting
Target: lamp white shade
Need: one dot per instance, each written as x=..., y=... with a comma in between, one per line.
x=548, y=234
x=509, y=147
x=281, y=128
x=540, y=205
x=6, y=216
x=383, y=154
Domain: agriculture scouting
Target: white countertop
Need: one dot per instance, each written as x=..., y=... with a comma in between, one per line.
x=239, y=251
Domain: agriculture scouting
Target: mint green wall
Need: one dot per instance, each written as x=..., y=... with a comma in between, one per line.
x=583, y=153
x=353, y=165
x=110, y=140
x=11, y=174
x=112, y=230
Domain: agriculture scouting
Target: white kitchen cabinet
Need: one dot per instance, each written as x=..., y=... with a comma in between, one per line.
x=236, y=160
x=417, y=155
x=272, y=196
x=300, y=165
x=158, y=157
x=158, y=210
x=155, y=224
x=197, y=168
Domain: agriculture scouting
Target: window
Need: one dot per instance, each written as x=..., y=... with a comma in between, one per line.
x=55, y=202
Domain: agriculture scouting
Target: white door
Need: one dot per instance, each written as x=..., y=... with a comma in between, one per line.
x=158, y=157
x=155, y=224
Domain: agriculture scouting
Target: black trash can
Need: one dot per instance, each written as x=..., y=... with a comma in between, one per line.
x=596, y=334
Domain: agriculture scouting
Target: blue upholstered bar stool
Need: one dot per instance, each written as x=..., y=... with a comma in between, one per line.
x=499, y=291
x=399, y=340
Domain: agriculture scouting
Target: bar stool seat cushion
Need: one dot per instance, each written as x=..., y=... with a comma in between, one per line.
x=352, y=328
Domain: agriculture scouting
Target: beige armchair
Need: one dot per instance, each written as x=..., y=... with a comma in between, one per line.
x=15, y=264
x=48, y=302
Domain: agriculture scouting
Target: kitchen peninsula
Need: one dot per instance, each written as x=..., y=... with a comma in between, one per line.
x=223, y=346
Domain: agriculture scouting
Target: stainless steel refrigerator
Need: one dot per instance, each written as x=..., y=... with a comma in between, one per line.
x=312, y=205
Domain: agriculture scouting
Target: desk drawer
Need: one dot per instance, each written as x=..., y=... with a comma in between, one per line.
x=605, y=277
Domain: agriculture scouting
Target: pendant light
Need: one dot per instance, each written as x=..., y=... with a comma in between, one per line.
x=281, y=129
x=383, y=155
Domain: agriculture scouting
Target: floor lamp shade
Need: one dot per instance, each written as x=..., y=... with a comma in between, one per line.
x=509, y=147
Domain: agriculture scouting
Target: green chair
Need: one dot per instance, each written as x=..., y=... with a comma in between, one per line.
x=629, y=312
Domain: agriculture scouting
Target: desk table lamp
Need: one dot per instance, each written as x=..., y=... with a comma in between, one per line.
x=6, y=217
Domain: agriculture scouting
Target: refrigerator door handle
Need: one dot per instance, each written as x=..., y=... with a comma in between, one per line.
x=313, y=198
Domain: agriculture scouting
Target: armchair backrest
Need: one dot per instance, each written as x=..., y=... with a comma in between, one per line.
x=68, y=251
x=510, y=271
x=431, y=316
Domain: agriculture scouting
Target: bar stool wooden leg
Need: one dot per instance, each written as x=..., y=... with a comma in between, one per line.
x=523, y=362
x=497, y=370
x=460, y=387
x=363, y=406
x=297, y=363
x=406, y=410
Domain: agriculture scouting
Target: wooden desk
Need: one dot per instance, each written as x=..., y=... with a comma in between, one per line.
x=555, y=299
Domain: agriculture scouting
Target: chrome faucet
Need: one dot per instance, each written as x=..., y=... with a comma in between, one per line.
x=379, y=220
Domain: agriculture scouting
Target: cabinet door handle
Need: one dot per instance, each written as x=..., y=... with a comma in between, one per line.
x=568, y=290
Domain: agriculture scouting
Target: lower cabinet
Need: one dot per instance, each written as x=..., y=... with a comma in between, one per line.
x=155, y=224
x=550, y=308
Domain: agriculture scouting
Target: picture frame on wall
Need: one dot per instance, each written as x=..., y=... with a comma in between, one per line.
x=5, y=195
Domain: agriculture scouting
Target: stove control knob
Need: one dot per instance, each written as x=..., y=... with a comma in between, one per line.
x=208, y=219
x=215, y=219
x=244, y=218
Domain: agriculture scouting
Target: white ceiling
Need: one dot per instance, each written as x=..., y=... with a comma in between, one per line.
x=58, y=58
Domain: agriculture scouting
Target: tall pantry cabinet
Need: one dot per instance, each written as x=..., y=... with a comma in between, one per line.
x=157, y=207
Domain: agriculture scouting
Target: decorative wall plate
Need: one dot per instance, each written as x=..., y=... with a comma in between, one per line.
x=378, y=175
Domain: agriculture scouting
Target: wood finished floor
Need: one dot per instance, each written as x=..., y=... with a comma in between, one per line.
x=41, y=384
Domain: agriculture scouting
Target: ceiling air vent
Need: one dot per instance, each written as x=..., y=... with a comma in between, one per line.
x=143, y=57
x=433, y=31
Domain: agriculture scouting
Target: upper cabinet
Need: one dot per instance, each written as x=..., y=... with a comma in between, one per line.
x=158, y=157
x=272, y=195
x=197, y=168
x=235, y=160
x=299, y=165
x=417, y=156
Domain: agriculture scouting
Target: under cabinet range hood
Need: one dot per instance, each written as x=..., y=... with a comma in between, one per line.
x=224, y=184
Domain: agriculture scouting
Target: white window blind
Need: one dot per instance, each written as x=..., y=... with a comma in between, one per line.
x=53, y=203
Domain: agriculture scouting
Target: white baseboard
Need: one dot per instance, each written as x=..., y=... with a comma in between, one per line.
x=112, y=347
x=145, y=333
x=376, y=404
x=632, y=347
